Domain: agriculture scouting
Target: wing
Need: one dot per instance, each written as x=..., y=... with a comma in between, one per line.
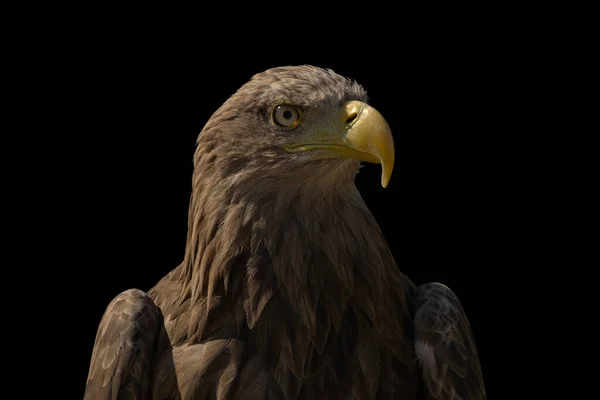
x=123, y=354
x=445, y=346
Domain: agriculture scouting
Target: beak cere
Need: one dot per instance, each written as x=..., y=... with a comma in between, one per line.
x=360, y=133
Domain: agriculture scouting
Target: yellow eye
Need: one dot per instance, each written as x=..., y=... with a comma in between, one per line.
x=286, y=116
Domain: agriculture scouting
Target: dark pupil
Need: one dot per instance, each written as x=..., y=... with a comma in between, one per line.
x=287, y=114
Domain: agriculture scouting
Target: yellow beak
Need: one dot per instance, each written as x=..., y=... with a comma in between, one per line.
x=359, y=132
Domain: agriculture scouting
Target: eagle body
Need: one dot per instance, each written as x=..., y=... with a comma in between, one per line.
x=287, y=289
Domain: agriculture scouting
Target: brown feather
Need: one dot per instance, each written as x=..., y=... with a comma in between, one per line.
x=288, y=289
x=445, y=345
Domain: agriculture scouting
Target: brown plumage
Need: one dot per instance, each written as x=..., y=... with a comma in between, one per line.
x=288, y=289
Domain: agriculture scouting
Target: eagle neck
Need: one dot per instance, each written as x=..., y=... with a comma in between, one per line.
x=313, y=260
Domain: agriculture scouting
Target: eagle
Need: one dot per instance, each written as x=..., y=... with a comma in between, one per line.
x=287, y=288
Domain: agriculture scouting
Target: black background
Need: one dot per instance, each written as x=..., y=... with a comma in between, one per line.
x=134, y=103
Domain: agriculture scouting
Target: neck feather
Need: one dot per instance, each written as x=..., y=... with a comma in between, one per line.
x=316, y=259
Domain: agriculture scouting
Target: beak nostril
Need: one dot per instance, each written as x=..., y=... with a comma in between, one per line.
x=351, y=118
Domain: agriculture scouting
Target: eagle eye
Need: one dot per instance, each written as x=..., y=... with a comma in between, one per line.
x=286, y=116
